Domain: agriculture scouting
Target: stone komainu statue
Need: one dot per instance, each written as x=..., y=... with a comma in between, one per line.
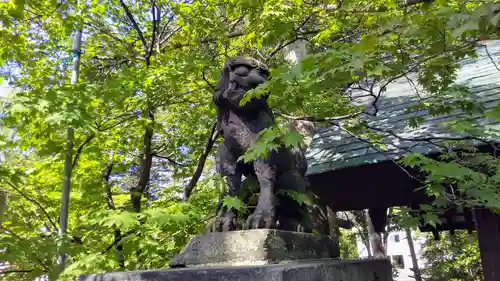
x=239, y=126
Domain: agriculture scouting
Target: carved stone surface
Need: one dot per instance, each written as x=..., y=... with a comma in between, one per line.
x=333, y=270
x=251, y=247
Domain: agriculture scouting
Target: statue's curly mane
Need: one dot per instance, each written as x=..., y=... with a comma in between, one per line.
x=222, y=85
x=227, y=86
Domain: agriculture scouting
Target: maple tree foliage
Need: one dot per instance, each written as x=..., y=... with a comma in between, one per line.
x=453, y=257
x=143, y=117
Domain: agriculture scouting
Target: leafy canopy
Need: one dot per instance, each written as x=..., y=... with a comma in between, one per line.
x=142, y=107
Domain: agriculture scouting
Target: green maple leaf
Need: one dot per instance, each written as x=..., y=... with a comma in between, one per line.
x=124, y=220
x=300, y=197
x=235, y=203
x=470, y=25
x=292, y=139
x=431, y=218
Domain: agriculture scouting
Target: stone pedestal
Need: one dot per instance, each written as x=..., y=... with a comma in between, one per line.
x=254, y=247
x=259, y=255
x=333, y=270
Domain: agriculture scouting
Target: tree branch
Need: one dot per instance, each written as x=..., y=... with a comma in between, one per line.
x=134, y=23
x=8, y=271
x=236, y=22
x=214, y=133
x=377, y=149
x=206, y=80
x=109, y=34
x=168, y=159
x=235, y=34
x=34, y=202
x=111, y=205
x=127, y=117
x=317, y=119
x=137, y=191
x=169, y=36
x=491, y=58
x=80, y=149
x=46, y=268
x=153, y=36
x=109, y=195
x=164, y=29
x=403, y=4
x=117, y=240
x=282, y=46
x=424, y=139
x=291, y=41
x=209, y=39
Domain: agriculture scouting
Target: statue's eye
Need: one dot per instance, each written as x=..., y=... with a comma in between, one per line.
x=241, y=71
x=264, y=72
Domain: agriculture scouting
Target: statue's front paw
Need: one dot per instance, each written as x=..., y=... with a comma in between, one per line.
x=261, y=219
x=224, y=222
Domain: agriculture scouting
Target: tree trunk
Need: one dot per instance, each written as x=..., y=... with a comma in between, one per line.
x=375, y=239
x=305, y=128
x=3, y=204
x=201, y=162
x=120, y=257
x=68, y=161
x=360, y=218
x=137, y=191
x=388, y=230
x=295, y=51
x=453, y=245
x=415, y=269
x=366, y=241
x=333, y=225
x=345, y=252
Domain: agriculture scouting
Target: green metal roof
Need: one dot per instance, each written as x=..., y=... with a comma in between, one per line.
x=333, y=149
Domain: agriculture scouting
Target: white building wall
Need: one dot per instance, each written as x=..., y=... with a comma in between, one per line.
x=362, y=251
x=398, y=245
x=295, y=51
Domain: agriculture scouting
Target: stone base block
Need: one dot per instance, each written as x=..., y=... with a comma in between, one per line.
x=254, y=247
x=333, y=270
